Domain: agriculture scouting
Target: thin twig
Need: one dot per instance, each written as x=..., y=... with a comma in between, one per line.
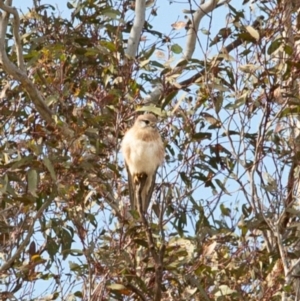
x=136, y=291
x=25, y=242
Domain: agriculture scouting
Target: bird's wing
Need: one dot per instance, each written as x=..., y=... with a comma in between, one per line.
x=150, y=192
x=133, y=193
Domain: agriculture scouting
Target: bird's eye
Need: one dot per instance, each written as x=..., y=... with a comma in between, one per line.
x=146, y=121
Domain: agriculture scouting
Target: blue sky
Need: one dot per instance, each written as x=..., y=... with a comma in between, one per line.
x=167, y=13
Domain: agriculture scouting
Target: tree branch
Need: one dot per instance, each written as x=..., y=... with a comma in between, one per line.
x=136, y=30
x=192, y=33
x=16, y=25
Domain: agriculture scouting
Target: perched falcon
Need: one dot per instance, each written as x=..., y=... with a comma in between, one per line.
x=143, y=151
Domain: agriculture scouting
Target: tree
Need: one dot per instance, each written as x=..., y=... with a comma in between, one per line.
x=225, y=214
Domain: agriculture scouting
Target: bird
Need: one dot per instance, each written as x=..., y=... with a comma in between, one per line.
x=143, y=150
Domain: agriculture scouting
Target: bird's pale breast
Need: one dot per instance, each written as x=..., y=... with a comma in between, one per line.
x=143, y=151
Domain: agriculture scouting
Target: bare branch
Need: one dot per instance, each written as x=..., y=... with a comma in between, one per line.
x=192, y=33
x=16, y=25
x=136, y=30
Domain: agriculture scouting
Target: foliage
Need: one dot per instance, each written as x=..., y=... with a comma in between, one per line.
x=224, y=224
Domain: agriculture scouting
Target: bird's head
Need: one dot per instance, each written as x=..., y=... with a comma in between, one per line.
x=146, y=121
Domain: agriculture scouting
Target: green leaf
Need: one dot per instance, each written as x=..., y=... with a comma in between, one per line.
x=176, y=49
x=51, y=100
x=75, y=252
x=290, y=111
x=52, y=247
x=152, y=109
x=224, y=290
x=91, y=51
x=25, y=161
x=3, y=184
x=144, y=63
x=239, y=102
x=253, y=32
x=201, y=136
x=78, y=294
x=141, y=242
x=185, y=179
x=205, y=31
x=109, y=45
x=288, y=49
x=169, y=97
x=66, y=242
x=274, y=46
x=245, y=36
x=74, y=266
x=146, y=55
x=91, y=218
x=224, y=210
x=70, y=5
x=211, y=119
x=32, y=179
x=249, y=68
x=157, y=64
x=111, y=13
x=246, y=210
x=50, y=168
x=221, y=185
x=116, y=286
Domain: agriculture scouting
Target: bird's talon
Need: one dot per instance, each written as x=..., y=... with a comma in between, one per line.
x=137, y=178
